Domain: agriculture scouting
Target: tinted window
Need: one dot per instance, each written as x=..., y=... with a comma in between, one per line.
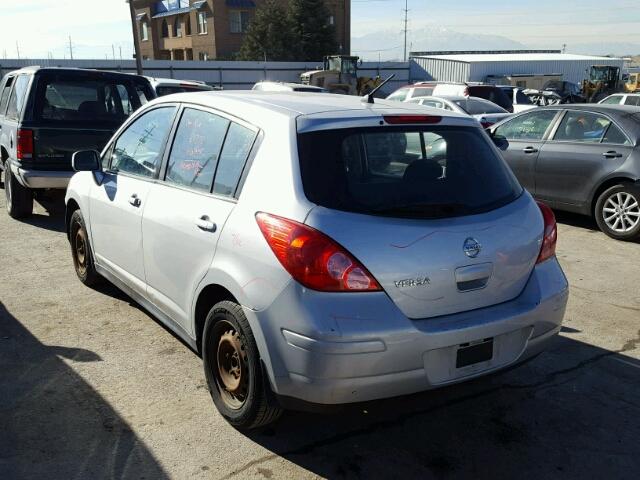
x=522, y=99
x=234, y=155
x=494, y=95
x=162, y=91
x=582, y=127
x=140, y=147
x=476, y=107
x=18, y=96
x=196, y=149
x=615, y=135
x=405, y=172
x=613, y=99
x=530, y=126
x=632, y=100
x=4, y=99
x=95, y=100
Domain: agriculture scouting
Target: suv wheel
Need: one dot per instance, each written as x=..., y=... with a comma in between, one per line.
x=618, y=212
x=238, y=386
x=81, y=251
x=19, y=199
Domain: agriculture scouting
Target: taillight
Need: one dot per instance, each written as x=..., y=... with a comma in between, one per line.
x=24, y=144
x=405, y=119
x=550, y=237
x=313, y=259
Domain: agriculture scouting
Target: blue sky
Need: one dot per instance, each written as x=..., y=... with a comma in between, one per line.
x=42, y=27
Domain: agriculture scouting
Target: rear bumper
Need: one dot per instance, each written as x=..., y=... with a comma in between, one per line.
x=334, y=349
x=42, y=178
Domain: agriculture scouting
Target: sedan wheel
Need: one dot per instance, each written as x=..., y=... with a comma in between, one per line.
x=618, y=212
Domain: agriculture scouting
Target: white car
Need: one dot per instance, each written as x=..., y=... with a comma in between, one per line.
x=287, y=87
x=521, y=102
x=167, y=86
x=622, y=99
x=319, y=248
x=487, y=113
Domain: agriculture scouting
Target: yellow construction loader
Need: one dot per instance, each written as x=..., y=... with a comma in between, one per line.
x=603, y=81
x=340, y=75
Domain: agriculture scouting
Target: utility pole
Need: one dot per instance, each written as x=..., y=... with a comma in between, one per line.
x=18, y=50
x=70, y=48
x=113, y=52
x=136, y=40
x=120, y=48
x=564, y=48
x=406, y=29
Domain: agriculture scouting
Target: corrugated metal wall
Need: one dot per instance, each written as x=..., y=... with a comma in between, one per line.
x=428, y=68
x=230, y=75
x=423, y=68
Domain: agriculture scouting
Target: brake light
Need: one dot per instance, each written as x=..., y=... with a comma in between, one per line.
x=313, y=259
x=550, y=237
x=24, y=144
x=405, y=119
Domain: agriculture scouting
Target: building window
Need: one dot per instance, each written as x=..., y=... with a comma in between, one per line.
x=239, y=21
x=187, y=25
x=332, y=20
x=203, y=56
x=144, y=30
x=165, y=29
x=202, y=22
x=177, y=28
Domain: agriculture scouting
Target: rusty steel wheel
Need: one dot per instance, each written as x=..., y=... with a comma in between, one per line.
x=233, y=373
x=80, y=252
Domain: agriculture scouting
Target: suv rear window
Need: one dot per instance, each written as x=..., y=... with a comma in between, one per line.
x=408, y=172
x=493, y=94
x=92, y=100
x=473, y=106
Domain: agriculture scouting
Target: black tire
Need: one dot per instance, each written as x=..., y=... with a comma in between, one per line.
x=237, y=383
x=19, y=199
x=81, y=251
x=611, y=207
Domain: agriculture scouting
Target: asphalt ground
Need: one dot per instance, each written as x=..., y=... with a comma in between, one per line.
x=91, y=386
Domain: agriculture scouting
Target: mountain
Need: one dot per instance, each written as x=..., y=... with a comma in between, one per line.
x=389, y=44
x=605, y=48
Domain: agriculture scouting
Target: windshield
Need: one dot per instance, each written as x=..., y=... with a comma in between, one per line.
x=477, y=107
x=409, y=172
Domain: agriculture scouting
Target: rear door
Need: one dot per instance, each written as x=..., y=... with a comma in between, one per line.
x=583, y=150
x=78, y=111
x=117, y=203
x=525, y=134
x=187, y=210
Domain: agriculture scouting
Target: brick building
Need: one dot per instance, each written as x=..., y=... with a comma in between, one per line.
x=211, y=29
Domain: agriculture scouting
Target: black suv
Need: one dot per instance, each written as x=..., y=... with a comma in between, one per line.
x=46, y=114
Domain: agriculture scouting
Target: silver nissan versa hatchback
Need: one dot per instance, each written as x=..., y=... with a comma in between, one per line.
x=319, y=249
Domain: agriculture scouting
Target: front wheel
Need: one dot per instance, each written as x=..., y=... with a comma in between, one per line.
x=618, y=212
x=238, y=386
x=19, y=199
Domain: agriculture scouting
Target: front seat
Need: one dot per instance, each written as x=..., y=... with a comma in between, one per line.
x=574, y=130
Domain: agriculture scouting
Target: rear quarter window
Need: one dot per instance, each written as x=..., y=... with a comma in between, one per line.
x=415, y=172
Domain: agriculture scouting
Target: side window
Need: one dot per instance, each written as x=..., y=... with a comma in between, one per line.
x=232, y=159
x=631, y=100
x=399, y=96
x=614, y=135
x=196, y=149
x=17, y=98
x=139, y=148
x=530, y=126
x=583, y=127
x=612, y=100
x=4, y=96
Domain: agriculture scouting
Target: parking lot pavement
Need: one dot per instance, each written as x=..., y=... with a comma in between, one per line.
x=93, y=387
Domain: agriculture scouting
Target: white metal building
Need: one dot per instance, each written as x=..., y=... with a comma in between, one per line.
x=477, y=66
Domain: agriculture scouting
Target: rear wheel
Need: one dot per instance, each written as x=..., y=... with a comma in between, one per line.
x=19, y=199
x=238, y=386
x=81, y=251
x=618, y=212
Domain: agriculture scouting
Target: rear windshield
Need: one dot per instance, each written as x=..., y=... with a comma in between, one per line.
x=415, y=172
x=494, y=95
x=478, y=107
x=90, y=100
x=162, y=91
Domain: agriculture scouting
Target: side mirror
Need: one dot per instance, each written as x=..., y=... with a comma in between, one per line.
x=86, y=161
x=499, y=141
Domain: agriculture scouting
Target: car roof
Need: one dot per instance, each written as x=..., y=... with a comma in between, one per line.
x=37, y=68
x=173, y=81
x=259, y=104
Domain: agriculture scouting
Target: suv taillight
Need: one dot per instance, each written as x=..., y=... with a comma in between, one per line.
x=550, y=236
x=313, y=259
x=24, y=144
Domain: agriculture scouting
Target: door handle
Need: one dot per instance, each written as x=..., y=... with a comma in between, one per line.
x=205, y=223
x=611, y=154
x=530, y=150
x=134, y=200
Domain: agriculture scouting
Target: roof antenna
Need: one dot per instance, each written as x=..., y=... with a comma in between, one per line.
x=368, y=98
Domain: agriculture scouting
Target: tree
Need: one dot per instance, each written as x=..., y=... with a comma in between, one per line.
x=270, y=35
x=315, y=34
